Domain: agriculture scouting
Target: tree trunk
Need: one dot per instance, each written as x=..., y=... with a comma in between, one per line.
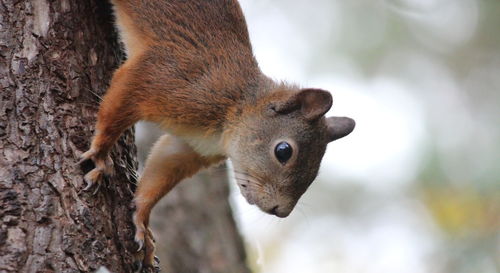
x=56, y=59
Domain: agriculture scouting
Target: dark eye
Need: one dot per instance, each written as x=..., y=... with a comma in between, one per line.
x=283, y=151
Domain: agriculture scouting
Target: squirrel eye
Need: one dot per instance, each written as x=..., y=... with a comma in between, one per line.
x=283, y=151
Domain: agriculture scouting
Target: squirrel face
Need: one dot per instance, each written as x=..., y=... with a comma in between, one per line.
x=276, y=149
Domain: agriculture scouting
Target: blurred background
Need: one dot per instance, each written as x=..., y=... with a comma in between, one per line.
x=416, y=187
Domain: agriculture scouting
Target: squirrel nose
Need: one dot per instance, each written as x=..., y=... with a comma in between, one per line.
x=274, y=210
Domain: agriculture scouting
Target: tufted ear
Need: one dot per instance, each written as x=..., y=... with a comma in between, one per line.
x=339, y=127
x=312, y=103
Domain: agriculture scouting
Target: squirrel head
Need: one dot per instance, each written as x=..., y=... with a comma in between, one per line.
x=277, y=145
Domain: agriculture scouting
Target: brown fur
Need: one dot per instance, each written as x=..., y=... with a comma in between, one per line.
x=191, y=69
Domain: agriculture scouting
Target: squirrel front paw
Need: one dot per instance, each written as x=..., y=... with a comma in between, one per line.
x=145, y=241
x=103, y=166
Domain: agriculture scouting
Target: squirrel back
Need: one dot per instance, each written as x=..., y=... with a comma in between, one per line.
x=190, y=25
x=189, y=55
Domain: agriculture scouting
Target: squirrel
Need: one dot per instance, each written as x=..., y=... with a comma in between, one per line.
x=190, y=68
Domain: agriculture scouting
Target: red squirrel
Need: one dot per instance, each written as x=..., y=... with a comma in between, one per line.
x=190, y=69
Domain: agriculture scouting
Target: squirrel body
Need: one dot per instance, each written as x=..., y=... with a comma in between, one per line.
x=190, y=69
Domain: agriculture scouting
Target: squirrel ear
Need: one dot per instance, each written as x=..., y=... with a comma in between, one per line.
x=339, y=127
x=313, y=103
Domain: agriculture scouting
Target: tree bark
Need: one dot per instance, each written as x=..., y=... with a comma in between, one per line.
x=56, y=60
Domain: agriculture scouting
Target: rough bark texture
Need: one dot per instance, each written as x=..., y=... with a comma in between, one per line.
x=56, y=59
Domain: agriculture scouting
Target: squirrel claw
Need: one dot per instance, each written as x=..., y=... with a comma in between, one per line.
x=103, y=166
x=141, y=245
x=144, y=238
x=139, y=239
x=88, y=187
x=97, y=188
x=143, y=267
x=81, y=160
x=92, y=178
x=88, y=155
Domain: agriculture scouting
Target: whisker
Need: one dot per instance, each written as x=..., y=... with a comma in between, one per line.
x=252, y=185
x=254, y=177
x=250, y=179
